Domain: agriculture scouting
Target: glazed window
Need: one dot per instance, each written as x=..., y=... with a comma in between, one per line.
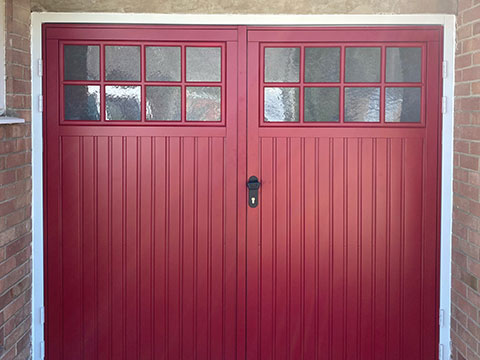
x=165, y=84
x=314, y=84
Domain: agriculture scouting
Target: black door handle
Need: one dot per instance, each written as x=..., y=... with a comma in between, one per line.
x=253, y=184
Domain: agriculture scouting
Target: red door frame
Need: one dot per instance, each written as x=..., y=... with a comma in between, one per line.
x=245, y=166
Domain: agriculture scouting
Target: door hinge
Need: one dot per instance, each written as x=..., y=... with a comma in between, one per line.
x=444, y=104
x=42, y=350
x=40, y=103
x=42, y=315
x=440, y=352
x=444, y=69
x=441, y=318
x=40, y=67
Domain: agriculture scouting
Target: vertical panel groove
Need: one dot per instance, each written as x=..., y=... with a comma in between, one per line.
x=359, y=242
x=182, y=241
x=209, y=249
x=81, y=235
x=138, y=206
x=289, y=249
x=274, y=247
x=124, y=232
x=167, y=247
x=422, y=257
x=110, y=241
x=195, y=245
x=388, y=239
x=374, y=237
x=345, y=243
x=95, y=217
x=317, y=245
x=331, y=241
x=302, y=246
x=60, y=231
x=153, y=228
x=402, y=249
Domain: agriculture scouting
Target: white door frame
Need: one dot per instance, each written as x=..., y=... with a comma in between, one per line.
x=448, y=21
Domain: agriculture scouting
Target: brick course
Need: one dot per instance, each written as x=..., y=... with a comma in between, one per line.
x=15, y=190
x=465, y=331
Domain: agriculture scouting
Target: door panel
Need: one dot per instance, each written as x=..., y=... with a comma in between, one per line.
x=341, y=248
x=141, y=232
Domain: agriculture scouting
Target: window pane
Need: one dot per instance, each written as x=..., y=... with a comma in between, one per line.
x=204, y=63
x=282, y=64
x=281, y=104
x=404, y=64
x=362, y=104
x=402, y=104
x=362, y=64
x=322, y=104
x=81, y=62
x=164, y=103
x=203, y=104
x=122, y=63
x=82, y=102
x=163, y=63
x=322, y=64
x=122, y=102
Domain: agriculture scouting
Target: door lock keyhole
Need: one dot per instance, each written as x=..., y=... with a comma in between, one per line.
x=253, y=185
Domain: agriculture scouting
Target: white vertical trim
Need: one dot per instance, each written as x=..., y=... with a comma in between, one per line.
x=447, y=184
x=37, y=196
x=448, y=21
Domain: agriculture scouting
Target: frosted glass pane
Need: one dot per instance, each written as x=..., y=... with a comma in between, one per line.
x=122, y=63
x=322, y=104
x=204, y=63
x=282, y=64
x=164, y=103
x=402, y=104
x=122, y=102
x=362, y=104
x=322, y=64
x=281, y=104
x=203, y=103
x=404, y=64
x=81, y=62
x=163, y=63
x=82, y=102
x=362, y=64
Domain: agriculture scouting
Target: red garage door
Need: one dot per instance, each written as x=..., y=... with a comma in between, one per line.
x=155, y=248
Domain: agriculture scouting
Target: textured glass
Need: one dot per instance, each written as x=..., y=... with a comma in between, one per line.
x=362, y=104
x=122, y=63
x=282, y=64
x=163, y=63
x=82, y=102
x=404, y=64
x=362, y=64
x=203, y=103
x=402, y=104
x=164, y=102
x=322, y=64
x=281, y=104
x=204, y=64
x=322, y=104
x=122, y=102
x=81, y=62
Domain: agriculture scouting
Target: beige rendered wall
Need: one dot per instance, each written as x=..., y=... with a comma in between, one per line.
x=250, y=6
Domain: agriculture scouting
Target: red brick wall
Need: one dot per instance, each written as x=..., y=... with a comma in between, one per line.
x=15, y=189
x=466, y=187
